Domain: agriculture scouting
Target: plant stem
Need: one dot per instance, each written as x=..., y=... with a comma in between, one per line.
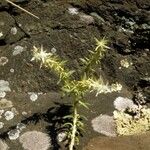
x=74, y=128
x=22, y=9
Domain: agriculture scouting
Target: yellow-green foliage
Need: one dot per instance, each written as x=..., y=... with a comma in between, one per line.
x=129, y=125
x=77, y=88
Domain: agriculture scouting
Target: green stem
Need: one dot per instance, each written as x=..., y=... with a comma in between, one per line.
x=74, y=128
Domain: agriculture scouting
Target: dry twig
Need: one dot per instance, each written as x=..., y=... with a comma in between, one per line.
x=22, y=9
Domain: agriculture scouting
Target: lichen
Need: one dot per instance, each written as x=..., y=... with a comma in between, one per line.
x=128, y=124
x=4, y=103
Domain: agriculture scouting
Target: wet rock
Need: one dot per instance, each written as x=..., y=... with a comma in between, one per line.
x=35, y=140
x=104, y=124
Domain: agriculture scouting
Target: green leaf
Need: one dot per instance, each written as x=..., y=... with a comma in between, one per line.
x=84, y=104
x=67, y=124
x=68, y=116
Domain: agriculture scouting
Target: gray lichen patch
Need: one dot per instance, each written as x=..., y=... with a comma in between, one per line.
x=104, y=124
x=35, y=140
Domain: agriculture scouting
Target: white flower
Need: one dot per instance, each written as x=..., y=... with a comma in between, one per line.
x=40, y=55
x=100, y=87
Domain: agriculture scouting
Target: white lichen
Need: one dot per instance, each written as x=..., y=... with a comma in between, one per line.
x=33, y=96
x=4, y=86
x=4, y=103
x=104, y=124
x=35, y=140
x=122, y=104
x=128, y=125
x=14, y=134
x=73, y=11
x=125, y=63
x=18, y=50
x=13, y=30
x=9, y=115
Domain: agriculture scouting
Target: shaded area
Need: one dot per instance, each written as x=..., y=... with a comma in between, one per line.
x=54, y=118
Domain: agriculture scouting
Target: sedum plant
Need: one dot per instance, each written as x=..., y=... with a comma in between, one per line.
x=77, y=88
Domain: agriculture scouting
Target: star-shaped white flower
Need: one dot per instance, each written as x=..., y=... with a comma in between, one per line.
x=40, y=55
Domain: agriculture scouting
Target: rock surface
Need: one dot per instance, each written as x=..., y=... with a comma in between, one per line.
x=139, y=142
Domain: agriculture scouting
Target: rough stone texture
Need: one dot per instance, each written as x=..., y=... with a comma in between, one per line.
x=124, y=23
x=3, y=145
x=139, y=142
